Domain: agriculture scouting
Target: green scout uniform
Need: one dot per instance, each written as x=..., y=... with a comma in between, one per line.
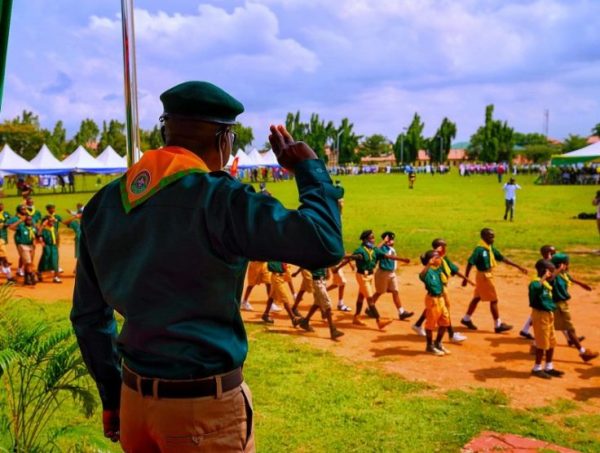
x=386, y=264
x=433, y=281
x=368, y=259
x=560, y=288
x=5, y=220
x=184, y=322
x=76, y=227
x=25, y=235
x=480, y=258
x=49, y=258
x=540, y=297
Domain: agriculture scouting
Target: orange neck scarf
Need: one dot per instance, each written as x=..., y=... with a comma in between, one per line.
x=156, y=170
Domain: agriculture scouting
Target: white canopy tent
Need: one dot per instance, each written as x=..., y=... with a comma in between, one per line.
x=269, y=159
x=11, y=162
x=45, y=163
x=110, y=160
x=244, y=161
x=590, y=153
x=81, y=160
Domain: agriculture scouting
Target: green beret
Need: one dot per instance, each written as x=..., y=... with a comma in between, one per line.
x=560, y=258
x=201, y=100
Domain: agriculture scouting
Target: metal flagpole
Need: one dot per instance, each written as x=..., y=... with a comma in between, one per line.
x=5, y=11
x=130, y=76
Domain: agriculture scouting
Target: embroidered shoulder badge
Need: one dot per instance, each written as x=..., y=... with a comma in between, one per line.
x=140, y=183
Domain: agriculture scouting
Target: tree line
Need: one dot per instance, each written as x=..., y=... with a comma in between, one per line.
x=494, y=141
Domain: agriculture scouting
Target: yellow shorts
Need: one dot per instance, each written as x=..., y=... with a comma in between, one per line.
x=562, y=317
x=385, y=281
x=446, y=299
x=543, y=329
x=365, y=284
x=258, y=273
x=2, y=248
x=307, y=281
x=436, y=313
x=279, y=289
x=320, y=294
x=339, y=279
x=484, y=286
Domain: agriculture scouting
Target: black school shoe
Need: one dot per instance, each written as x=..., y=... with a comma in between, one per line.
x=526, y=335
x=406, y=315
x=469, y=324
x=541, y=374
x=503, y=328
x=267, y=319
x=555, y=373
x=369, y=312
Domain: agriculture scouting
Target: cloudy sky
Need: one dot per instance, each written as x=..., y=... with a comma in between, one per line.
x=373, y=61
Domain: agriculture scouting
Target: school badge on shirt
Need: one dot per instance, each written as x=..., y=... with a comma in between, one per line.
x=141, y=182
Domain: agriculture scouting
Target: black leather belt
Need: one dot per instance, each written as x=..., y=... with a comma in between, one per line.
x=196, y=388
x=365, y=272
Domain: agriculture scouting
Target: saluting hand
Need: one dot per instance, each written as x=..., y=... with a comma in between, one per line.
x=289, y=152
x=111, y=423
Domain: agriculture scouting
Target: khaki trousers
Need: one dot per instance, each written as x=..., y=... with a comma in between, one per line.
x=181, y=425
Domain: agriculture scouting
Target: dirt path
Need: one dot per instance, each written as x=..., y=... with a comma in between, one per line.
x=486, y=359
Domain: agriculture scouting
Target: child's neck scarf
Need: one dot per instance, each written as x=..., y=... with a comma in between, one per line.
x=488, y=247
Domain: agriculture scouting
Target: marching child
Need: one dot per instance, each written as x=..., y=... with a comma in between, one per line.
x=339, y=281
x=386, y=280
x=256, y=274
x=321, y=301
x=485, y=257
x=542, y=316
x=279, y=292
x=448, y=270
x=437, y=317
x=562, y=315
x=305, y=287
x=49, y=258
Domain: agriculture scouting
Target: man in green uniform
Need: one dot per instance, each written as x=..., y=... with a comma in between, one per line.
x=49, y=259
x=183, y=341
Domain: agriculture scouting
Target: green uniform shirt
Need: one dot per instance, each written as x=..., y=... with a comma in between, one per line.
x=57, y=220
x=540, y=297
x=319, y=273
x=276, y=266
x=183, y=321
x=5, y=218
x=560, y=288
x=24, y=235
x=433, y=281
x=386, y=264
x=49, y=258
x=480, y=258
x=369, y=258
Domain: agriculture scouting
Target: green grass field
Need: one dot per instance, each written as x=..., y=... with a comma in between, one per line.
x=307, y=400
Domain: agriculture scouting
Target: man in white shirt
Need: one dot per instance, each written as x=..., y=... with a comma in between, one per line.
x=510, y=197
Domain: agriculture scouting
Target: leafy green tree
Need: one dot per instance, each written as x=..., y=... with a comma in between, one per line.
x=439, y=145
x=493, y=141
x=57, y=140
x=347, y=141
x=596, y=130
x=414, y=139
x=244, y=136
x=399, y=149
x=86, y=135
x=521, y=139
x=23, y=134
x=375, y=145
x=316, y=133
x=573, y=142
x=40, y=368
x=540, y=152
x=151, y=139
x=113, y=135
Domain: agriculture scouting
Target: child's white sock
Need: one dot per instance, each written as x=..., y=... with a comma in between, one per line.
x=467, y=318
x=498, y=322
x=537, y=367
x=527, y=325
x=549, y=366
x=401, y=310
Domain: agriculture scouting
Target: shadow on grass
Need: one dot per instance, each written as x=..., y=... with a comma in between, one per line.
x=500, y=372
